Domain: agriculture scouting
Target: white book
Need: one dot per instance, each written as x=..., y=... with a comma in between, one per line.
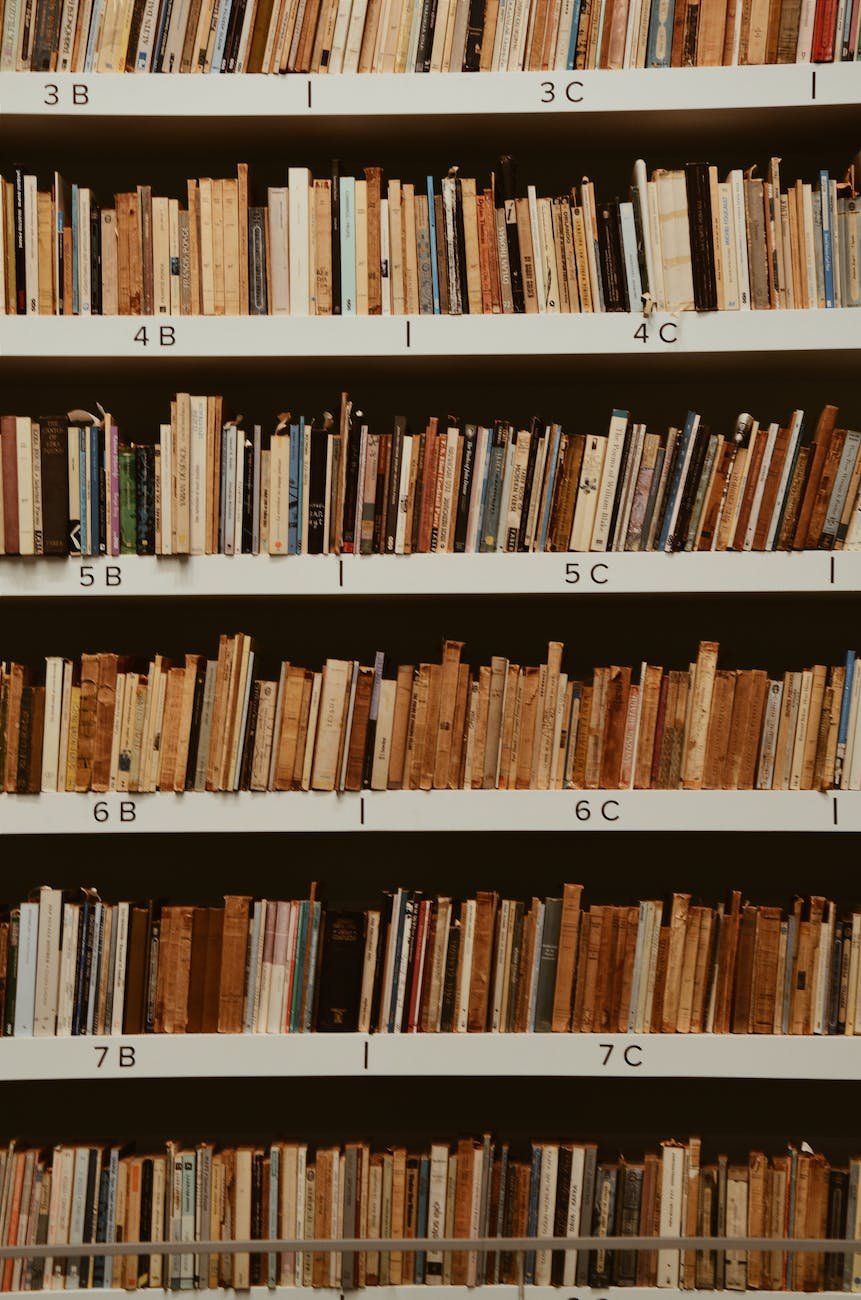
x=600, y=540
x=656, y=268
x=728, y=247
x=68, y=964
x=31, y=244
x=53, y=721
x=404, y=494
x=77, y=1218
x=736, y=189
x=538, y=259
x=9, y=37
x=121, y=928
x=24, y=462
x=174, y=255
x=672, y=1199
x=339, y=37
x=197, y=474
x=278, y=254
x=85, y=270
x=805, y=31
x=851, y=777
x=299, y=240
x=25, y=992
x=587, y=492
x=467, y=943
x=279, y=492
x=50, y=914
x=116, y=733
x=383, y=734
x=385, y=263
x=629, y=253
x=675, y=240
x=64, y=729
x=765, y=767
x=355, y=31
x=245, y=683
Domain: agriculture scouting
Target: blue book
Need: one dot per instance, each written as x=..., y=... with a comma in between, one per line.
x=83, y=487
x=348, y=245
x=554, y=468
x=660, y=44
x=293, y=490
x=95, y=491
x=432, y=233
x=532, y=1221
x=827, y=251
x=680, y=456
x=220, y=35
x=843, y=725
x=572, y=40
x=301, y=939
x=400, y=905
x=76, y=235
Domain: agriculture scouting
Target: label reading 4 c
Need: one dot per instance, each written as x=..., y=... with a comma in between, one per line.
x=667, y=333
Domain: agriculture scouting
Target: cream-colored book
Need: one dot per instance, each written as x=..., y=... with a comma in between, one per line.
x=333, y=696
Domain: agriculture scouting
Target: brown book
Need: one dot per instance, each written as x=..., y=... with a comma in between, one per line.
x=416, y=729
x=144, y=207
x=448, y=690
x=197, y=970
x=359, y=731
x=742, y=1011
x=675, y=960
x=400, y=727
x=33, y=758
x=463, y=1207
x=793, y=500
x=702, y=972
x=618, y=688
x=134, y=1012
x=819, y=454
x=373, y=176
x=600, y=923
x=565, y=500
x=457, y=762
x=427, y=757
x=746, y=743
x=581, y=743
x=647, y=1264
x=288, y=732
x=486, y=907
x=528, y=723
x=105, y=704
x=174, y=966
x=212, y=975
x=754, y=465
x=322, y=198
x=765, y=968
x=476, y=775
x=174, y=690
x=566, y=965
x=231, y=994
x=8, y=439
x=87, y=721
x=769, y=493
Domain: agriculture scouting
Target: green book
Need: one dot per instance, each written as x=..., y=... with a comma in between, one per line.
x=128, y=502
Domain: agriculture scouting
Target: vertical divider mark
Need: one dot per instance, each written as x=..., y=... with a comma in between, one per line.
x=834, y=808
x=366, y=1054
x=408, y=334
x=832, y=570
x=361, y=810
x=813, y=83
x=341, y=573
x=309, y=90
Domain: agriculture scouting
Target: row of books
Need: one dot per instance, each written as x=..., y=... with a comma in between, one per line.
x=108, y=722
x=473, y=1188
x=682, y=241
x=329, y=486
x=348, y=36
x=424, y=964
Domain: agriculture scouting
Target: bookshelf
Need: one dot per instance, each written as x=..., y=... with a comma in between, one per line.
x=329, y=1080
x=192, y=577
x=787, y=339
x=436, y=1056
x=418, y=812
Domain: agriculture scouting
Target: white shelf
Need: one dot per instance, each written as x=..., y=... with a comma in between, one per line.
x=629, y=1056
x=788, y=335
x=489, y=1292
x=437, y=810
x=429, y=575
x=666, y=90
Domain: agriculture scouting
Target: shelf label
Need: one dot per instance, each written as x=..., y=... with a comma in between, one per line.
x=607, y=810
x=112, y=575
x=120, y=1054
x=586, y=575
x=666, y=332
x=562, y=92
x=74, y=95
x=163, y=337
x=124, y=811
x=631, y=1055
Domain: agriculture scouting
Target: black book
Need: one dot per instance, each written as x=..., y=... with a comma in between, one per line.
x=257, y=1259
x=611, y=262
x=336, y=237
x=317, y=491
x=90, y=1209
x=474, y=32
x=248, y=741
x=134, y=38
x=689, y=488
x=702, y=247
x=516, y=964
x=548, y=960
x=603, y=1224
x=18, y=235
x=460, y=245
x=54, y=458
x=465, y=487
x=340, y=978
x=838, y=1194
x=449, y=987
x=234, y=35
x=102, y=1221
x=427, y=23
x=587, y=1198
x=145, y=498
x=157, y=62
x=153, y=940
x=258, y=303
x=145, y=1223
x=247, y=497
x=11, y=973
x=381, y=494
x=84, y=956
x=194, y=732
x=95, y=258
x=101, y=524
x=351, y=484
x=46, y=34
x=629, y=1198
x=411, y=914
x=505, y=192
x=560, y=1213
x=25, y=736
x=393, y=496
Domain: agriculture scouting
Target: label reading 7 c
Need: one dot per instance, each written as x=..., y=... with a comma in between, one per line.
x=632, y=1055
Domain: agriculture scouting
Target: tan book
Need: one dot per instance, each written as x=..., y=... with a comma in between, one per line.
x=327, y=741
x=400, y=726
x=231, y=989
x=675, y=957
x=174, y=692
x=696, y=735
x=322, y=200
